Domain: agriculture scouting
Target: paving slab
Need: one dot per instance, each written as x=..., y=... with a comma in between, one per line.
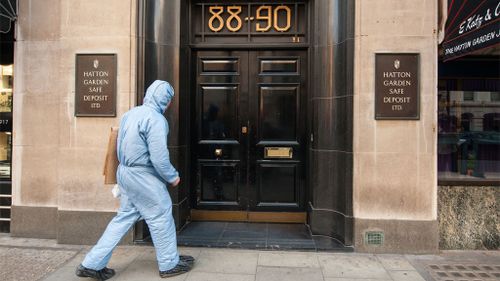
x=406, y=275
x=123, y=256
x=42, y=259
x=144, y=270
x=227, y=261
x=355, y=279
x=288, y=274
x=395, y=262
x=76, y=260
x=289, y=259
x=27, y=264
x=209, y=276
x=65, y=273
x=352, y=266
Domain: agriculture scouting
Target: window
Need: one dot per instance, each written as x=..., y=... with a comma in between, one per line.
x=5, y=145
x=469, y=130
x=6, y=88
x=495, y=96
x=468, y=96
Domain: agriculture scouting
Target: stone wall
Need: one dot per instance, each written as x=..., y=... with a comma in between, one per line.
x=57, y=157
x=395, y=173
x=469, y=217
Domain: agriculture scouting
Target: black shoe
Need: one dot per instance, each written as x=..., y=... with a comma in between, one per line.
x=180, y=268
x=103, y=274
x=188, y=259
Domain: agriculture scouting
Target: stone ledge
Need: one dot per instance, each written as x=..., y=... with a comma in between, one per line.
x=85, y=227
x=34, y=222
x=400, y=236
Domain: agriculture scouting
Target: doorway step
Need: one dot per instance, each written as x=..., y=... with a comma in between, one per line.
x=242, y=235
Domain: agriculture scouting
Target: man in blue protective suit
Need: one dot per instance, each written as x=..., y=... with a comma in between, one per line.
x=142, y=175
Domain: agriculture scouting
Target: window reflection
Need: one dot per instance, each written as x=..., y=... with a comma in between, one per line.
x=468, y=129
x=5, y=154
x=278, y=113
x=5, y=120
x=6, y=88
x=6, y=85
x=219, y=112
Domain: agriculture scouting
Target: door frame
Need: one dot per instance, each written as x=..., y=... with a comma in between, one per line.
x=247, y=215
x=176, y=49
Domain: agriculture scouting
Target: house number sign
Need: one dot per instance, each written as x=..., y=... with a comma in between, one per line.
x=266, y=18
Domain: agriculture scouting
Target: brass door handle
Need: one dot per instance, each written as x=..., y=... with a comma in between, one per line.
x=218, y=152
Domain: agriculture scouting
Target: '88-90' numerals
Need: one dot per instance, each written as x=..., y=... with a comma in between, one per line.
x=265, y=15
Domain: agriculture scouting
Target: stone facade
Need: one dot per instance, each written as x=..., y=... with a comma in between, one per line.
x=395, y=173
x=58, y=158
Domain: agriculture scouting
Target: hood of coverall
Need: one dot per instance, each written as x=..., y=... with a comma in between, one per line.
x=158, y=95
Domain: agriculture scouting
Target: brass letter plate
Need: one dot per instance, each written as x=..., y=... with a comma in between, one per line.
x=278, y=152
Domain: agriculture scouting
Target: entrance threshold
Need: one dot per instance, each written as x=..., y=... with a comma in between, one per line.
x=245, y=235
x=244, y=216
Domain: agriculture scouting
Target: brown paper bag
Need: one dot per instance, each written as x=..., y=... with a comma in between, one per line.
x=111, y=161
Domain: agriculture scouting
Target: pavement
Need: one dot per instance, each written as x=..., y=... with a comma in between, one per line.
x=43, y=259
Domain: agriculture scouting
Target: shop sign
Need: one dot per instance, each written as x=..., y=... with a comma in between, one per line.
x=471, y=26
x=397, y=86
x=95, y=91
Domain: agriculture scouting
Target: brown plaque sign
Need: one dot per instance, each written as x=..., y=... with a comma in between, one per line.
x=95, y=91
x=397, y=86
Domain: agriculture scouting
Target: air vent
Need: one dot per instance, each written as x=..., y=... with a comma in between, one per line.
x=374, y=238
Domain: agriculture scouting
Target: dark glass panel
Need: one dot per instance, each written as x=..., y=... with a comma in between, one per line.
x=278, y=113
x=5, y=201
x=468, y=131
x=219, y=112
x=219, y=66
x=219, y=182
x=285, y=66
x=5, y=213
x=5, y=226
x=277, y=183
x=5, y=188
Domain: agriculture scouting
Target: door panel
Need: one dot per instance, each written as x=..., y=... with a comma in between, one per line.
x=277, y=113
x=277, y=147
x=282, y=179
x=220, y=150
x=220, y=107
x=219, y=183
x=250, y=116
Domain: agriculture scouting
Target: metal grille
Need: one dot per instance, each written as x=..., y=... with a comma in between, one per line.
x=374, y=238
x=464, y=271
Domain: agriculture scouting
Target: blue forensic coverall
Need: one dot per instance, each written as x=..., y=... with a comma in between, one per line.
x=142, y=175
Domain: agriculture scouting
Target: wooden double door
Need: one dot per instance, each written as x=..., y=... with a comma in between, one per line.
x=249, y=126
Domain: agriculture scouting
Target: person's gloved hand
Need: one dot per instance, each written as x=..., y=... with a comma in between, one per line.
x=176, y=182
x=116, y=191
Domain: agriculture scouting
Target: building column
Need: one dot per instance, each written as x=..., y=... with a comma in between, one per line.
x=159, y=41
x=331, y=154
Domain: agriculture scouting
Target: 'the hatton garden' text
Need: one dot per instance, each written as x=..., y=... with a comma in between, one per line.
x=95, y=85
x=396, y=86
x=94, y=81
x=396, y=81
